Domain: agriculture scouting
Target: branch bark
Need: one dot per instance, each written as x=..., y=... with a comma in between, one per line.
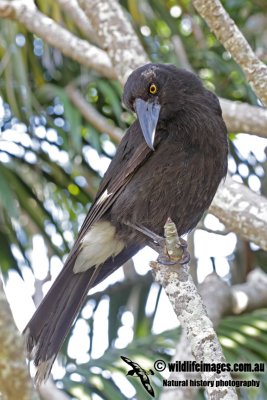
x=235, y=43
x=58, y=37
x=190, y=310
x=242, y=117
x=117, y=35
x=242, y=211
x=92, y=115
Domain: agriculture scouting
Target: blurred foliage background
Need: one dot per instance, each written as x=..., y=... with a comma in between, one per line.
x=51, y=162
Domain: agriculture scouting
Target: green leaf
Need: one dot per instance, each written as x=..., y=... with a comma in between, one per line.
x=7, y=260
x=111, y=96
x=6, y=195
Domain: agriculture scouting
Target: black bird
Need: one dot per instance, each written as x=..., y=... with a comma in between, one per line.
x=140, y=373
x=169, y=164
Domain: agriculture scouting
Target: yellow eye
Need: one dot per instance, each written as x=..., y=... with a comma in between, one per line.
x=153, y=88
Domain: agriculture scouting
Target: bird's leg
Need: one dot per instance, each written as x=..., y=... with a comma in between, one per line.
x=157, y=243
x=157, y=240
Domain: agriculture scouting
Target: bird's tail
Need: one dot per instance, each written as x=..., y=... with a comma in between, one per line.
x=52, y=320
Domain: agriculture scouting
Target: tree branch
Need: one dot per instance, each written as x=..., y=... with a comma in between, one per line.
x=242, y=117
x=73, y=10
x=242, y=211
x=58, y=37
x=92, y=115
x=117, y=35
x=233, y=40
x=188, y=307
x=251, y=295
x=221, y=299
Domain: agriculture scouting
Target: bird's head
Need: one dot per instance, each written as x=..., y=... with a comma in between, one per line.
x=156, y=92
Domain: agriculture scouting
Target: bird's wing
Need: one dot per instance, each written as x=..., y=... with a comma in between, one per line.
x=131, y=154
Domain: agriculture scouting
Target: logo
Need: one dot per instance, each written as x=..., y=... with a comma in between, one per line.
x=140, y=373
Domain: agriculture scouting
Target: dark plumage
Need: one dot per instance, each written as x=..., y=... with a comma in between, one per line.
x=171, y=172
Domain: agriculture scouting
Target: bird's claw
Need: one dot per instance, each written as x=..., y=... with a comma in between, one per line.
x=165, y=260
x=185, y=258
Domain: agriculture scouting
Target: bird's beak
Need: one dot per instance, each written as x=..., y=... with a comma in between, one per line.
x=148, y=115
